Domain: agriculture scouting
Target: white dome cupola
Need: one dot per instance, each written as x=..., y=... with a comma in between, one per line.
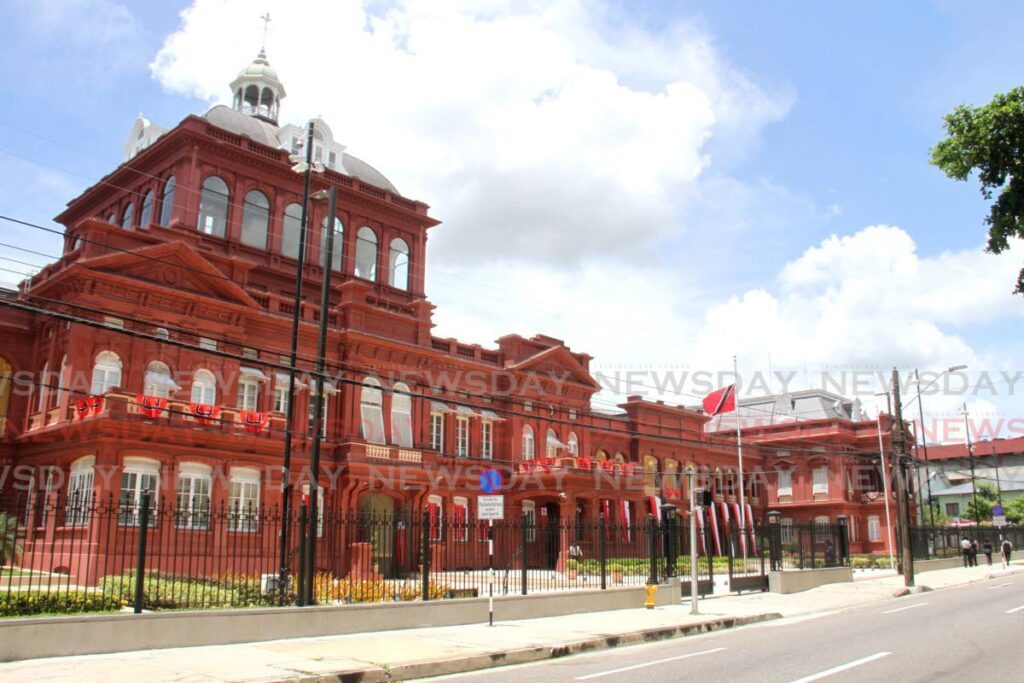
x=258, y=91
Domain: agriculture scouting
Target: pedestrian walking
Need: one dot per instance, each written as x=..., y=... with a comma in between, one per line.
x=974, y=552
x=965, y=550
x=1005, y=548
x=986, y=548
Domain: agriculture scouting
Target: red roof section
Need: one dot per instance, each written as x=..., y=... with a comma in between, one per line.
x=980, y=448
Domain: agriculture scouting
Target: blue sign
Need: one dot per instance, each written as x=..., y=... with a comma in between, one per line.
x=997, y=510
x=490, y=481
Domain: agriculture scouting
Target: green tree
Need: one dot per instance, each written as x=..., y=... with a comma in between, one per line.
x=1015, y=510
x=986, y=499
x=990, y=141
x=9, y=545
x=936, y=513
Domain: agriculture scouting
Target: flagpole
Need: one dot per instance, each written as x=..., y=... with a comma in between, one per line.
x=739, y=452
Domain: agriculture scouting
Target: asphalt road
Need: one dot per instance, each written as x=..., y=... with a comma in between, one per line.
x=968, y=633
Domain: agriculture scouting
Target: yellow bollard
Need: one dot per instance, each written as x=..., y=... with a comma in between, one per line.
x=652, y=590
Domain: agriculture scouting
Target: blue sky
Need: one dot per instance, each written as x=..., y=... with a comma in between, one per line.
x=823, y=117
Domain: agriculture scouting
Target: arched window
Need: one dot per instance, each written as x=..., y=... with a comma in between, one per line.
x=527, y=442
x=552, y=444
x=162, y=333
x=290, y=230
x=650, y=471
x=204, y=387
x=213, y=207
x=128, y=217
x=574, y=444
x=620, y=458
x=79, y=498
x=193, y=488
x=398, y=264
x=401, y=416
x=252, y=99
x=339, y=242
x=112, y=218
x=371, y=410
x=167, y=202
x=255, y=219
x=140, y=476
x=600, y=456
x=44, y=388
x=366, y=253
x=158, y=380
x=106, y=373
x=62, y=379
x=670, y=477
x=146, y=214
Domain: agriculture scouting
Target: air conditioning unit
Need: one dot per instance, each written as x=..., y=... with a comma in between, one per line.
x=270, y=583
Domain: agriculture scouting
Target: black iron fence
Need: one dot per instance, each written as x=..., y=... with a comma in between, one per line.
x=937, y=542
x=121, y=553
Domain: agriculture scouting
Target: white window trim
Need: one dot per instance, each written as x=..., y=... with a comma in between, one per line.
x=437, y=431
x=874, y=528
x=487, y=439
x=785, y=476
x=188, y=516
x=243, y=509
x=462, y=436
x=460, y=534
x=821, y=487
x=80, y=491
x=530, y=520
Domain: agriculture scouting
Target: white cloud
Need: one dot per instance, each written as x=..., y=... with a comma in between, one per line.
x=540, y=134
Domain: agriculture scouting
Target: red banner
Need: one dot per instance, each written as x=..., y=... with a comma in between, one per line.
x=88, y=407
x=151, y=406
x=204, y=413
x=253, y=421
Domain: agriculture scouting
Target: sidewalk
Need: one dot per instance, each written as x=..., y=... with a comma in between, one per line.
x=414, y=653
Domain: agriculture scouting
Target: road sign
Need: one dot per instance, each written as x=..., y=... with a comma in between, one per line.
x=490, y=507
x=997, y=510
x=998, y=520
x=490, y=481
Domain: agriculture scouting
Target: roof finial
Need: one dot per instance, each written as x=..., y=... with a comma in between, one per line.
x=266, y=25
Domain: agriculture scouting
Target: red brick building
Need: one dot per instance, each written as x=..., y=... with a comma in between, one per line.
x=174, y=296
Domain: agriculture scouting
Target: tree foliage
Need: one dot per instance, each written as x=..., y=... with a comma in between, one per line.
x=986, y=499
x=1015, y=510
x=989, y=140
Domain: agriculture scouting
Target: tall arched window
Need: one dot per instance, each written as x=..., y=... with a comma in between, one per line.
x=650, y=470
x=398, y=264
x=128, y=217
x=291, y=228
x=255, y=219
x=167, y=202
x=213, y=207
x=401, y=416
x=552, y=444
x=204, y=387
x=573, y=444
x=371, y=411
x=44, y=388
x=339, y=242
x=106, y=373
x=62, y=379
x=79, y=496
x=366, y=253
x=527, y=442
x=146, y=214
x=158, y=380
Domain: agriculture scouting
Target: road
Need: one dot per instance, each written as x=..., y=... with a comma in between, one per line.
x=970, y=633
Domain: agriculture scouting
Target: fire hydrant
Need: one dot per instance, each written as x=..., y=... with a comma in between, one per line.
x=652, y=590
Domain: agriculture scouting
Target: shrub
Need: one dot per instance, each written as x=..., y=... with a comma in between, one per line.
x=25, y=603
x=168, y=591
x=327, y=588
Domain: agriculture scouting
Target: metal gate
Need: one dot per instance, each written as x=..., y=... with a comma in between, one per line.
x=746, y=557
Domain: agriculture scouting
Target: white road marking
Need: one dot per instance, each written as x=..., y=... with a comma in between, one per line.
x=842, y=667
x=640, y=666
x=900, y=609
x=1002, y=585
x=1015, y=609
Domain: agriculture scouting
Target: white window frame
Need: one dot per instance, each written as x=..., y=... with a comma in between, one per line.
x=487, y=439
x=528, y=443
x=207, y=344
x=280, y=397
x=248, y=394
x=371, y=411
x=158, y=380
x=551, y=443
x=80, y=492
x=530, y=520
x=874, y=528
x=437, y=430
x=573, y=444
x=138, y=474
x=244, y=500
x=192, y=491
x=820, y=481
x=44, y=381
x=785, y=487
x=401, y=416
x=204, y=387
x=106, y=373
x=436, y=532
x=460, y=533
x=462, y=436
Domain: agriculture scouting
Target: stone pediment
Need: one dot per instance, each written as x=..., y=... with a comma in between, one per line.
x=174, y=265
x=556, y=361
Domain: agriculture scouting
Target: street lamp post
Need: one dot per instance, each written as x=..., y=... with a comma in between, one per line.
x=970, y=459
x=885, y=480
x=327, y=257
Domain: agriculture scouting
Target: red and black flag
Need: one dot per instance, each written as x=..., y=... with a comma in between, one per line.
x=721, y=401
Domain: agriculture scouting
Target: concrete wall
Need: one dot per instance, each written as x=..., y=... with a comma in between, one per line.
x=805, y=579
x=945, y=563
x=95, y=634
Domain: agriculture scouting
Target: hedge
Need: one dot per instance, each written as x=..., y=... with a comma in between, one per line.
x=26, y=603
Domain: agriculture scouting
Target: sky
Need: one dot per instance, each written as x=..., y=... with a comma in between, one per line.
x=662, y=185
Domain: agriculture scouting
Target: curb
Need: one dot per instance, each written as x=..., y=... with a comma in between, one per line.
x=487, y=660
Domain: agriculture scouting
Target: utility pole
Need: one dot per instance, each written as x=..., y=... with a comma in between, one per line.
x=903, y=509
x=924, y=446
x=970, y=459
